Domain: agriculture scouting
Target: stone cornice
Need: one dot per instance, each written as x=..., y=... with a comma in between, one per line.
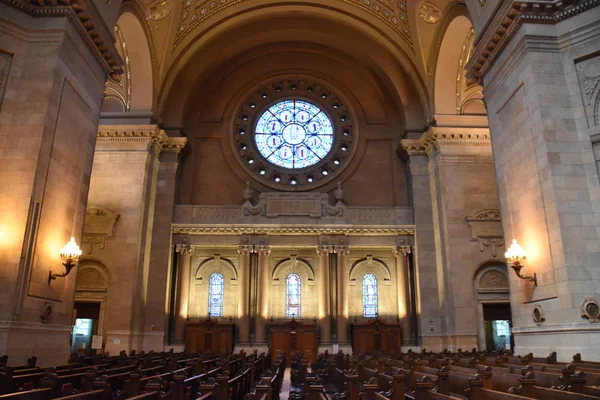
x=137, y=133
x=506, y=22
x=86, y=20
x=302, y=230
x=446, y=136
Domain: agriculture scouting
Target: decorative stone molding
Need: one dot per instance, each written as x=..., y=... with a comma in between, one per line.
x=588, y=74
x=485, y=227
x=436, y=137
x=590, y=310
x=277, y=204
x=333, y=244
x=91, y=279
x=257, y=244
x=99, y=223
x=87, y=21
x=507, y=20
x=46, y=313
x=299, y=230
x=392, y=12
x=182, y=244
x=159, y=10
x=430, y=13
x=141, y=133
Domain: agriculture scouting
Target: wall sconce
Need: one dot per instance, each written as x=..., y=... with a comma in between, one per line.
x=70, y=255
x=515, y=255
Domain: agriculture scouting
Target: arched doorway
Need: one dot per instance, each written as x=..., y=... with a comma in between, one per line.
x=492, y=302
x=88, y=311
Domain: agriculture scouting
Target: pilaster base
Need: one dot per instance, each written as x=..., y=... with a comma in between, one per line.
x=48, y=342
x=565, y=339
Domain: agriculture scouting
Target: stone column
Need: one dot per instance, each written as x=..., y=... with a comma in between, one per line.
x=263, y=295
x=244, y=305
x=324, y=314
x=47, y=154
x=402, y=287
x=543, y=114
x=160, y=252
x=427, y=261
x=342, y=303
x=183, y=292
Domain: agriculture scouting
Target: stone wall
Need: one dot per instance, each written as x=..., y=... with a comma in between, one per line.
x=52, y=89
x=536, y=91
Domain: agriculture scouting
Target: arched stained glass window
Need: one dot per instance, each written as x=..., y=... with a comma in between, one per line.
x=215, y=295
x=294, y=134
x=293, y=294
x=370, y=296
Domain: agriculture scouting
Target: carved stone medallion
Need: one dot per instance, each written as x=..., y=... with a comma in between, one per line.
x=493, y=280
x=538, y=314
x=590, y=310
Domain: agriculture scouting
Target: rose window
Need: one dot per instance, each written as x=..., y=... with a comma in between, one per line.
x=294, y=134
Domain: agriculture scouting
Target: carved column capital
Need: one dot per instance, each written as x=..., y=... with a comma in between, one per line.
x=403, y=250
x=182, y=244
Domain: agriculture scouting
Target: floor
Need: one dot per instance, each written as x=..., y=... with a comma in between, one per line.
x=286, y=384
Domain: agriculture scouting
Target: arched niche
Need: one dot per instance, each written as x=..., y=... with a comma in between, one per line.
x=453, y=92
x=277, y=292
x=387, y=304
x=491, y=286
x=134, y=88
x=198, y=301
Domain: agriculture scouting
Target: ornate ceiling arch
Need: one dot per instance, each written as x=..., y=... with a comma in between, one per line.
x=377, y=47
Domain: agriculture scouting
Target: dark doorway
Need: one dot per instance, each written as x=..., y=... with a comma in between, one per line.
x=498, y=323
x=85, y=326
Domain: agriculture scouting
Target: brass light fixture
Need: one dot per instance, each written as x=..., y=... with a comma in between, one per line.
x=515, y=255
x=70, y=255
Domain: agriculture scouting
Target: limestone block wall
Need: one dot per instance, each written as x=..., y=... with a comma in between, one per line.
x=51, y=93
x=547, y=179
x=124, y=179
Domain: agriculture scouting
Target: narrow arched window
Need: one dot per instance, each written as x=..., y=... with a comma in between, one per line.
x=293, y=296
x=215, y=295
x=370, y=296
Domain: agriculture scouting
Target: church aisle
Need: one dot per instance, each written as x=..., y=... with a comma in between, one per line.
x=286, y=384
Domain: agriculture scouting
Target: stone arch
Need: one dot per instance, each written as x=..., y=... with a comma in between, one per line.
x=281, y=270
x=134, y=89
x=283, y=263
x=216, y=264
x=490, y=286
x=92, y=276
x=453, y=93
x=387, y=304
x=198, y=302
x=375, y=266
x=393, y=66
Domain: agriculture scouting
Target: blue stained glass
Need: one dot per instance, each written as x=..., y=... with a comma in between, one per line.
x=293, y=293
x=215, y=295
x=294, y=134
x=370, y=296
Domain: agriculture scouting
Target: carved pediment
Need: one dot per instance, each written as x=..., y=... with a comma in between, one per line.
x=100, y=221
x=485, y=227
